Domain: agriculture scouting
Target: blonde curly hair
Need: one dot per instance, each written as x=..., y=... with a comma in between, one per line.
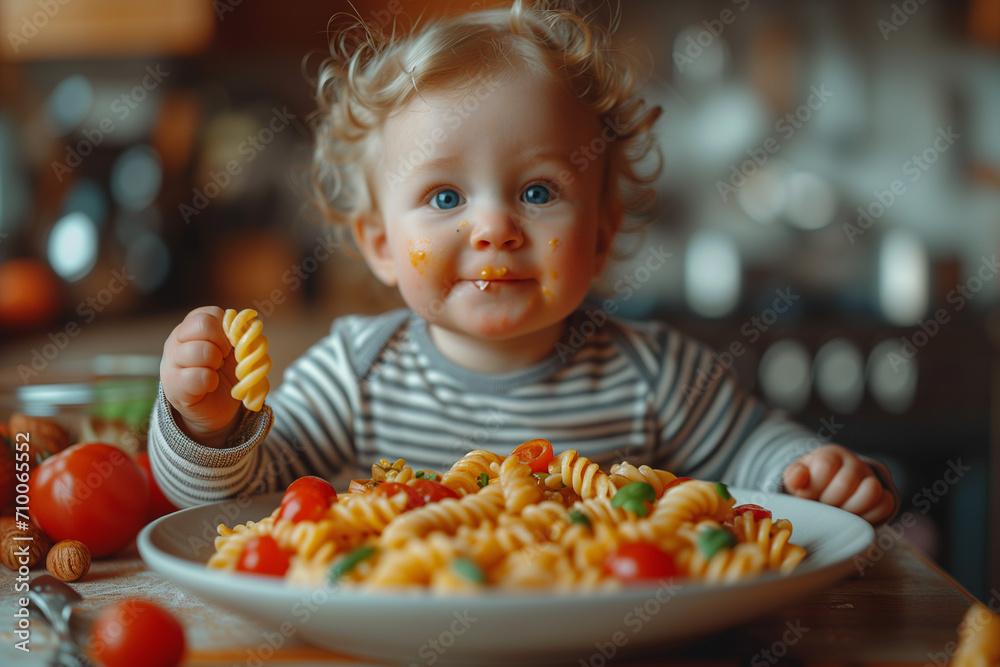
x=373, y=74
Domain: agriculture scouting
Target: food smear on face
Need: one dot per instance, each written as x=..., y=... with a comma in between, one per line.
x=553, y=243
x=491, y=273
x=420, y=250
x=554, y=275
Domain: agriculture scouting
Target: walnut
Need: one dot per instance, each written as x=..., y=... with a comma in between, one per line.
x=14, y=549
x=46, y=436
x=68, y=560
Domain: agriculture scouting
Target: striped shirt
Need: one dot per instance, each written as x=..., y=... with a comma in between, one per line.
x=377, y=387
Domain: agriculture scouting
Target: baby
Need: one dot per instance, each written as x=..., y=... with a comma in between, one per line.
x=454, y=155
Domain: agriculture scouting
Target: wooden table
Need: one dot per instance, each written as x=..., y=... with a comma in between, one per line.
x=903, y=610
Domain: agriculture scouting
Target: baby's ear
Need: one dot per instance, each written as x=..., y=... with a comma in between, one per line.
x=369, y=234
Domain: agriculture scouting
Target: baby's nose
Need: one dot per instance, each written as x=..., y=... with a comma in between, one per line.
x=496, y=228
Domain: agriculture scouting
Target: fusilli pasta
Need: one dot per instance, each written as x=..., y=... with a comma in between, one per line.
x=243, y=330
x=493, y=522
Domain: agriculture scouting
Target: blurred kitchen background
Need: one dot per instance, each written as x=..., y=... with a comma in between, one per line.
x=830, y=196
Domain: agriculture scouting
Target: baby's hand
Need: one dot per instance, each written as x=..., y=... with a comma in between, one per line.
x=834, y=475
x=198, y=373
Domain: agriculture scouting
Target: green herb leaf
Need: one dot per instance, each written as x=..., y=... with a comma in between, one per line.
x=576, y=516
x=467, y=568
x=634, y=492
x=484, y=480
x=349, y=561
x=713, y=539
x=722, y=490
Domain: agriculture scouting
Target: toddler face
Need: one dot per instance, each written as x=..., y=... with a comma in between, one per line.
x=493, y=228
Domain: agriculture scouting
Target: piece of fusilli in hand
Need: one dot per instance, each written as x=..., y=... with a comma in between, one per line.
x=243, y=330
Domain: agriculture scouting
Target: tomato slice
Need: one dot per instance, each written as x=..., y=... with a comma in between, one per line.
x=307, y=499
x=431, y=491
x=639, y=561
x=389, y=489
x=263, y=555
x=537, y=453
x=759, y=513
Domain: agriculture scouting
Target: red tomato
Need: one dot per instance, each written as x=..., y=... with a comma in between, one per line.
x=92, y=492
x=136, y=632
x=431, y=491
x=307, y=499
x=263, y=555
x=636, y=561
x=159, y=505
x=758, y=512
x=675, y=482
x=389, y=489
x=536, y=453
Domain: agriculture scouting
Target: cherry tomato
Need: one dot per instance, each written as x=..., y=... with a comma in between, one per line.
x=759, y=513
x=637, y=561
x=536, y=453
x=136, y=632
x=263, y=555
x=307, y=499
x=675, y=482
x=159, y=504
x=389, y=489
x=92, y=492
x=431, y=491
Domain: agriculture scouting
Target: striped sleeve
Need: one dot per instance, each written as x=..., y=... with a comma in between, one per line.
x=304, y=429
x=711, y=428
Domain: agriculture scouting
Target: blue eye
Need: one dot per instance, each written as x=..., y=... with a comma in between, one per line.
x=445, y=199
x=537, y=195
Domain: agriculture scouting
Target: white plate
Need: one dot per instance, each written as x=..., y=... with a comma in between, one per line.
x=502, y=628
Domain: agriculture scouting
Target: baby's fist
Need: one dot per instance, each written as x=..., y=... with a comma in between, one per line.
x=834, y=475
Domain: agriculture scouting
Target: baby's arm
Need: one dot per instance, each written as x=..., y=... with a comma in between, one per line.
x=834, y=475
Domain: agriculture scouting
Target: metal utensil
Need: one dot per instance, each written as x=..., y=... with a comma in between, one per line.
x=55, y=600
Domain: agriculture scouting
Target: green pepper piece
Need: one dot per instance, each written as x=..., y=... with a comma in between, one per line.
x=350, y=560
x=468, y=569
x=576, y=516
x=713, y=539
x=722, y=490
x=483, y=480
